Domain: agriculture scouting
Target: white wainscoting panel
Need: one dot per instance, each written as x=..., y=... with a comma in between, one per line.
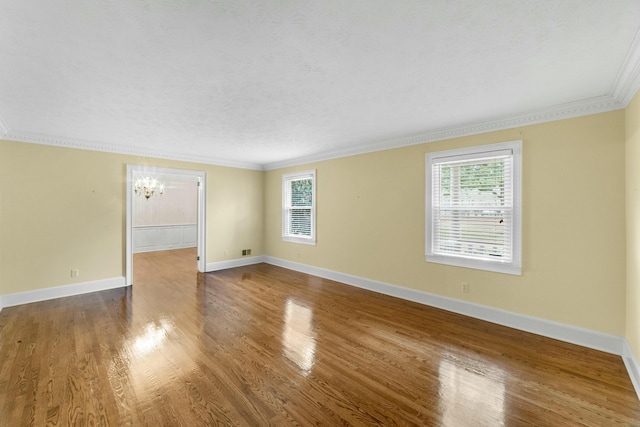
x=163, y=237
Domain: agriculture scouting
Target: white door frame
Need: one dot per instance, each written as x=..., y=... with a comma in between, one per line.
x=202, y=212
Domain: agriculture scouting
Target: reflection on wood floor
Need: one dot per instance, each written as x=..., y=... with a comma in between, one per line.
x=261, y=345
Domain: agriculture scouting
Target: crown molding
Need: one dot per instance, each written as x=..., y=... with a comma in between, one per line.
x=4, y=129
x=627, y=81
x=56, y=141
x=625, y=87
x=585, y=107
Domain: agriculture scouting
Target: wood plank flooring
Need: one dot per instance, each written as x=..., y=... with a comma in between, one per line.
x=261, y=345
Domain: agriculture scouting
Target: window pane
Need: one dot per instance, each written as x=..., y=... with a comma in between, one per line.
x=301, y=192
x=473, y=201
x=474, y=233
x=300, y=222
x=472, y=208
x=298, y=207
x=475, y=184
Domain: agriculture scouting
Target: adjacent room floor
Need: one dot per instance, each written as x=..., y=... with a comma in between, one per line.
x=261, y=345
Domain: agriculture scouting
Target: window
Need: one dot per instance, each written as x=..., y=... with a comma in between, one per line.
x=299, y=207
x=473, y=207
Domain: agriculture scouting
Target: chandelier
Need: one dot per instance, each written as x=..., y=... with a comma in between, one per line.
x=148, y=187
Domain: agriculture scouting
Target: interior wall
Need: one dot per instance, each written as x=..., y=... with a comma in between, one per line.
x=64, y=209
x=177, y=206
x=632, y=157
x=371, y=223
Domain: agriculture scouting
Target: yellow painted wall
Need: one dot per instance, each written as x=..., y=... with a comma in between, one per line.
x=371, y=223
x=64, y=208
x=632, y=156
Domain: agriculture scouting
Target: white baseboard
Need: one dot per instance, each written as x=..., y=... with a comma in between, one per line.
x=580, y=336
x=572, y=334
x=101, y=285
x=238, y=262
x=61, y=291
x=632, y=365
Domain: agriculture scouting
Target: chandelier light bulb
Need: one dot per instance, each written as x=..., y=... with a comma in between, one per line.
x=147, y=187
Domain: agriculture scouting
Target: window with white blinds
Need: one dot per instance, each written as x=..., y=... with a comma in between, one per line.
x=299, y=207
x=473, y=207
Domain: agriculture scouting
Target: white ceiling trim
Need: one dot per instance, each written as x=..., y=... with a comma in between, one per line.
x=121, y=149
x=566, y=111
x=627, y=81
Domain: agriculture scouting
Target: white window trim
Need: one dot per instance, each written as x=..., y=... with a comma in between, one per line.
x=513, y=267
x=310, y=240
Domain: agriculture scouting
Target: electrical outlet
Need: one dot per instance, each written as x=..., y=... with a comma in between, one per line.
x=248, y=251
x=244, y=252
x=465, y=287
x=75, y=273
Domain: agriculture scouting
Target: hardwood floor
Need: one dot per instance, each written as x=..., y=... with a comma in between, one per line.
x=261, y=345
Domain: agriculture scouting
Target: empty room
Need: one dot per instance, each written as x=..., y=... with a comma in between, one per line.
x=357, y=213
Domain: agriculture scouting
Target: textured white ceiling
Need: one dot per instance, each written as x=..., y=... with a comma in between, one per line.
x=264, y=83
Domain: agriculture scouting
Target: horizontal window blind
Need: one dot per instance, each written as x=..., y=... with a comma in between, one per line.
x=299, y=223
x=472, y=206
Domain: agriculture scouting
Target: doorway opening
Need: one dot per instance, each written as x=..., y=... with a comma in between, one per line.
x=137, y=238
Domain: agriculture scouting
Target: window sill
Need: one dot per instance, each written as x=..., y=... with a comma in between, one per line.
x=497, y=267
x=302, y=240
